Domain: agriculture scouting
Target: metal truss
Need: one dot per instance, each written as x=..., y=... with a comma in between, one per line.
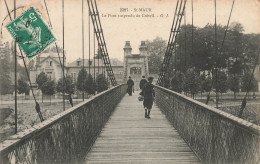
x=93, y=11
x=179, y=12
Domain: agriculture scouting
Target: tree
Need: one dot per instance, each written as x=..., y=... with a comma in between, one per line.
x=177, y=82
x=154, y=64
x=236, y=41
x=30, y=64
x=252, y=87
x=220, y=84
x=233, y=82
x=90, y=86
x=102, y=83
x=166, y=82
x=236, y=67
x=5, y=80
x=41, y=79
x=87, y=80
x=238, y=47
x=206, y=83
x=192, y=82
x=48, y=88
x=53, y=49
x=81, y=80
x=203, y=55
x=23, y=87
x=156, y=51
x=69, y=86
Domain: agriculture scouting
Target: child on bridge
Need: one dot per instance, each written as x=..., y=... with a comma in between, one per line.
x=149, y=94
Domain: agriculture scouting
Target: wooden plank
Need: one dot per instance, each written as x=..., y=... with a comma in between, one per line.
x=128, y=137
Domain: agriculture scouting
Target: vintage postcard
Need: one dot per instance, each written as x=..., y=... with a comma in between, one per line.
x=129, y=81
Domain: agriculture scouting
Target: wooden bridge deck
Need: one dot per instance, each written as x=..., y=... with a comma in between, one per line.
x=128, y=137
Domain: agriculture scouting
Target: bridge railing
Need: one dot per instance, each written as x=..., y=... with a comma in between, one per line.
x=214, y=136
x=66, y=137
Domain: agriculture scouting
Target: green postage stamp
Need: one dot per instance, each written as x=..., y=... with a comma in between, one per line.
x=31, y=33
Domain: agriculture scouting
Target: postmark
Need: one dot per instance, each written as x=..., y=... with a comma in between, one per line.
x=31, y=33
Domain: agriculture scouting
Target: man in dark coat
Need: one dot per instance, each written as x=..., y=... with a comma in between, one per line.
x=142, y=83
x=130, y=84
x=149, y=94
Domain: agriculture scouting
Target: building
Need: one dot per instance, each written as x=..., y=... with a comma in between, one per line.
x=48, y=63
x=74, y=67
x=135, y=65
x=5, y=50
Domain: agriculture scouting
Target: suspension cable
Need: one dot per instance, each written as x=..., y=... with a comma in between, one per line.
x=243, y=105
x=222, y=44
x=94, y=58
x=216, y=53
x=63, y=61
x=37, y=106
x=15, y=76
x=185, y=33
x=175, y=58
x=100, y=38
x=192, y=28
x=89, y=62
x=98, y=59
x=83, y=52
x=56, y=46
x=221, y=48
x=172, y=40
x=46, y=8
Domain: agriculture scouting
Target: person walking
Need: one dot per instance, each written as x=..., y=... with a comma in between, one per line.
x=130, y=84
x=142, y=83
x=149, y=94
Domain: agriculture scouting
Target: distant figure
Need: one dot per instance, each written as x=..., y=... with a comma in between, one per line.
x=70, y=100
x=149, y=94
x=142, y=82
x=130, y=84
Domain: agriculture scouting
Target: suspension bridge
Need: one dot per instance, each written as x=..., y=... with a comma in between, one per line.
x=110, y=127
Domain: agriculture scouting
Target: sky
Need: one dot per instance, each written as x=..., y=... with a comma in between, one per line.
x=117, y=29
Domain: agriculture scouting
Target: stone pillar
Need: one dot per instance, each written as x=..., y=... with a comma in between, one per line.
x=127, y=49
x=143, y=49
x=143, y=69
x=127, y=52
x=144, y=52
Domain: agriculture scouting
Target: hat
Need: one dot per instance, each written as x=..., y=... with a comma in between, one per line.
x=143, y=76
x=129, y=77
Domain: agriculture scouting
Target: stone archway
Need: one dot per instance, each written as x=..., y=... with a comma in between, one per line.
x=136, y=74
x=135, y=65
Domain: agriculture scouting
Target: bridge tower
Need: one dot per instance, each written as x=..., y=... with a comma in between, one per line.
x=135, y=65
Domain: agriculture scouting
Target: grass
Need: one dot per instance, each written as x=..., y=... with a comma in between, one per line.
x=28, y=117
x=251, y=112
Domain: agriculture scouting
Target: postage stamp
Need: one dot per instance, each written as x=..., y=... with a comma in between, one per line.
x=31, y=33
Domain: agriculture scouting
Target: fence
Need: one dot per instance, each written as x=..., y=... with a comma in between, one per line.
x=215, y=136
x=66, y=137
